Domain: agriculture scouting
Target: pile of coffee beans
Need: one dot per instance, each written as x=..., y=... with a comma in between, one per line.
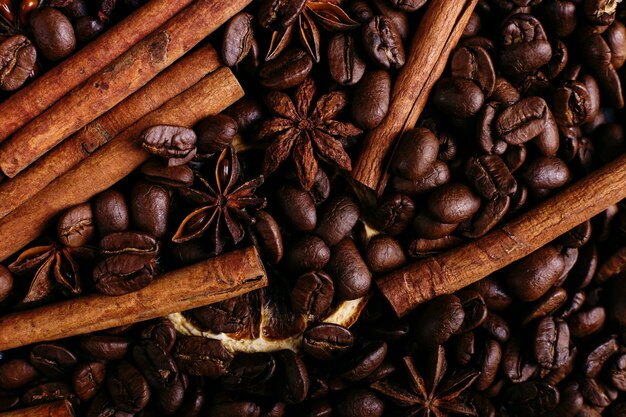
x=530, y=101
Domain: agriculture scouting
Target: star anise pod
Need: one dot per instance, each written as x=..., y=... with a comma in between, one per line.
x=222, y=204
x=324, y=13
x=432, y=395
x=52, y=264
x=307, y=134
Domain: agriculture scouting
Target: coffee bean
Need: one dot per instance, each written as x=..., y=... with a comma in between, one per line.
x=490, y=176
x=453, y=203
x=552, y=343
x=157, y=366
x=287, y=70
x=48, y=392
x=8, y=400
x=53, y=33
x=350, y=273
x=532, y=276
x=312, y=293
x=86, y=28
x=416, y=154
x=474, y=63
x=299, y=208
x=278, y=15
x=504, y=92
x=458, y=97
x=52, y=360
x=228, y=316
x=598, y=355
x=134, y=243
x=438, y=321
x=618, y=371
x=384, y=254
x=597, y=393
x=338, y=216
x=17, y=62
x=371, y=98
x=163, y=332
x=474, y=309
x=76, y=226
x=345, y=64
x=110, y=212
x=419, y=248
x=493, y=293
x=615, y=37
x=150, y=206
x=438, y=175
x=525, y=47
x=307, y=253
x=87, y=379
x=360, y=402
x=293, y=385
x=428, y=228
x=488, y=364
x=168, y=401
x=365, y=361
x=588, y=322
x=488, y=140
x=124, y=273
x=16, y=373
x=234, y=409
x=383, y=42
x=522, y=121
x=572, y=104
x=6, y=283
x=515, y=364
x=546, y=172
x=327, y=341
x=269, y=236
x=497, y=327
x=215, y=133
x=546, y=305
x=399, y=18
x=105, y=347
x=531, y=399
x=599, y=12
x=176, y=176
x=237, y=38
x=197, y=355
x=487, y=217
x=394, y=213
x=176, y=144
x=249, y=371
x=128, y=388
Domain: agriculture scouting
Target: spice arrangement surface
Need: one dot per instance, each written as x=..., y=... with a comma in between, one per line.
x=331, y=208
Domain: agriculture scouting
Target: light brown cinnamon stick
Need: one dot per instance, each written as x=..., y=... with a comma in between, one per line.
x=28, y=103
x=176, y=79
x=216, y=279
x=114, y=161
x=55, y=409
x=439, y=31
x=117, y=81
x=460, y=267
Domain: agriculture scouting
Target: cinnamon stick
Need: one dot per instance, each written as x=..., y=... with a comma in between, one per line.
x=117, y=81
x=437, y=35
x=460, y=267
x=55, y=409
x=114, y=161
x=30, y=102
x=216, y=279
x=176, y=79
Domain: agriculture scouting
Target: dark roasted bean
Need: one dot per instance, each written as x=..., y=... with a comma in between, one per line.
x=346, y=66
x=371, y=99
x=87, y=379
x=17, y=60
x=287, y=70
x=197, y=355
x=350, y=273
x=327, y=341
x=383, y=42
x=53, y=33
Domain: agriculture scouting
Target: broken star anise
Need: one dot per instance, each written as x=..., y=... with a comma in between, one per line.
x=52, y=264
x=306, y=134
x=432, y=395
x=222, y=204
x=325, y=13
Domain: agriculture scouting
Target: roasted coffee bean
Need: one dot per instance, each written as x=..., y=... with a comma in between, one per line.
x=464, y=347
x=572, y=104
x=321, y=187
x=237, y=38
x=547, y=305
x=312, y=293
x=360, y=402
x=371, y=99
x=52, y=360
x=488, y=141
x=345, y=64
x=293, y=382
x=48, y=392
x=497, y=327
x=585, y=323
x=8, y=400
x=279, y=14
x=298, y=207
x=176, y=144
x=474, y=63
x=522, y=121
x=268, y=236
x=617, y=371
x=383, y=42
x=578, y=236
x=487, y=217
x=612, y=266
x=168, y=401
x=438, y=175
x=17, y=60
x=76, y=226
x=134, y=243
x=453, y=203
x=525, y=47
x=351, y=276
x=6, y=283
x=546, y=172
x=176, y=176
x=559, y=60
x=394, y=213
x=427, y=227
x=490, y=176
x=416, y=154
x=597, y=393
x=458, y=97
x=504, y=92
x=493, y=293
x=124, y=273
x=599, y=12
x=249, y=371
x=86, y=28
x=234, y=409
x=598, y=356
x=307, y=253
x=474, y=308
x=531, y=399
x=87, y=379
x=615, y=37
x=16, y=373
x=155, y=364
x=128, y=388
x=338, y=216
x=441, y=319
x=327, y=341
x=365, y=361
x=515, y=364
x=150, y=206
x=399, y=18
x=548, y=141
x=384, y=254
x=102, y=406
x=287, y=70
x=161, y=331
x=228, y=316
x=552, y=343
x=110, y=212
x=215, y=133
x=408, y=5
x=193, y=403
x=488, y=364
x=531, y=277
x=105, y=347
x=53, y=33
x=197, y=355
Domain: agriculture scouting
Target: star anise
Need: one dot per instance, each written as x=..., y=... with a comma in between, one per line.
x=52, y=264
x=306, y=134
x=433, y=395
x=222, y=204
x=325, y=13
